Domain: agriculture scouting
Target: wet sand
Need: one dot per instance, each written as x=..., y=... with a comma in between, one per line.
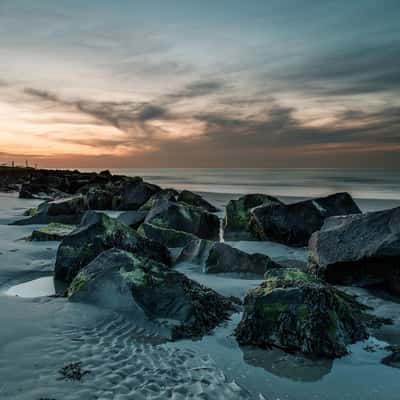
x=129, y=360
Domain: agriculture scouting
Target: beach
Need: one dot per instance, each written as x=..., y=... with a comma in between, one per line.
x=125, y=359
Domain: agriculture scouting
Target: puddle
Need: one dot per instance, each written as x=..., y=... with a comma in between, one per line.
x=36, y=288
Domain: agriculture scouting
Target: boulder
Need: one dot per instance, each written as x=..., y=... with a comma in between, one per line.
x=132, y=218
x=196, y=252
x=293, y=224
x=52, y=232
x=45, y=185
x=100, y=199
x=64, y=211
x=74, y=205
x=237, y=218
x=393, y=359
x=135, y=194
x=123, y=281
x=177, y=216
x=106, y=173
x=164, y=194
x=97, y=233
x=296, y=312
x=363, y=249
x=226, y=259
x=168, y=237
x=195, y=200
x=40, y=192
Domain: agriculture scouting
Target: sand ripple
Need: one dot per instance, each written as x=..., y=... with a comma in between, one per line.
x=124, y=363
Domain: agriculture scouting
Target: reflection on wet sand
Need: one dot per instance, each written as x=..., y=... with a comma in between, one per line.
x=292, y=366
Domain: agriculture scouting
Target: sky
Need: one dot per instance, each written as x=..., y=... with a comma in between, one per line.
x=188, y=83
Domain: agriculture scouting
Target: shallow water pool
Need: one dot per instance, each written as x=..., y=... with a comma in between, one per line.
x=39, y=287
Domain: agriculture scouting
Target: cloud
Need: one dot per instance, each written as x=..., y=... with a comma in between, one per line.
x=350, y=70
x=202, y=88
x=119, y=114
x=228, y=137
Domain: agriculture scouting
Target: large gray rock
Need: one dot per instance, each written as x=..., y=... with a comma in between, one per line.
x=65, y=211
x=293, y=224
x=168, y=237
x=100, y=199
x=44, y=186
x=196, y=252
x=164, y=194
x=176, y=216
x=52, y=232
x=237, y=218
x=137, y=193
x=195, y=200
x=124, y=281
x=393, y=359
x=362, y=249
x=97, y=233
x=226, y=259
x=133, y=218
x=293, y=311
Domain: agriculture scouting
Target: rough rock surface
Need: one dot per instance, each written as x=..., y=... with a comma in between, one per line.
x=237, y=218
x=393, y=359
x=296, y=312
x=195, y=200
x=124, y=281
x=293, y=224
x=224, y=258
x=97, y=233
x=164, y=194
x=100, y=199
x=196, y=251
x=171, y=215
x=136, y=194
x=168, y=237
x=65, y=211
x=52, y=232
x=362, y=249
x=132, y=218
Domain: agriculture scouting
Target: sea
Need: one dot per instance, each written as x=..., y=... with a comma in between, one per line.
x=381, y=184
x=374, y=189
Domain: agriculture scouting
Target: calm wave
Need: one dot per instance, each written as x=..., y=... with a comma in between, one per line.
x=361, y=183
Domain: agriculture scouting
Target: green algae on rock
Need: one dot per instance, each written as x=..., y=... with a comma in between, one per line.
x=52, y=232
x=124, y=281
x=169, y=237
x=294, y=311
x=180, y=217
x=195, y=200
x=237, y=218
x=97, y=233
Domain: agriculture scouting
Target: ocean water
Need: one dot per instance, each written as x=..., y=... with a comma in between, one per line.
x=379, y=184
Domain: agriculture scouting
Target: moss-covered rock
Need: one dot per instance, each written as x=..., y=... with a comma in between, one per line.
x=238, y=215
x=97, y=233
x=133, y=218
x=179, y=217
x=135, y=194
x=293, y=224
x=164, y=194
x=67, y=210
x=295, y=311
x=52, y=232
x=195, y=200
x=100, y=199
x=31, y=212
x=169, y=237
x=125, y=282
x=196, y=252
